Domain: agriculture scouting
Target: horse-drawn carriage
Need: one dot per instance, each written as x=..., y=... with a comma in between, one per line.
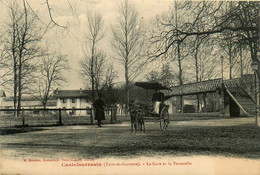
x=159, y=109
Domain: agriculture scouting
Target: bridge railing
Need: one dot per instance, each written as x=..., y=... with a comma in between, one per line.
x=213, y=85
x=198, y=87
x=232, y=83
x=249, y=86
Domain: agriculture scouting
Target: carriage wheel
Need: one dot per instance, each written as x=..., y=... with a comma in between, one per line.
x=164, y=119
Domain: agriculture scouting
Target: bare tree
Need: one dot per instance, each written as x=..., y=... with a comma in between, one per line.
x=92, y=64
x=243, y=63
x=242, y=19
x=229, y=43
x=204, y=67
x=51, y=75
x=93, y=70
x=108, y=85
x=99, y=70
x=5, y=72
x=109, y=76
x=177, y=52
x=22, y=39
x=127, y=42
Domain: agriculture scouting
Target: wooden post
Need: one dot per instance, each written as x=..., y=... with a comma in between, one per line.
x=222, y=101
x=115, y=112
x=205, y=102
x=181, y=104
x=60, y=120
x=86, y=113
x=91, y=116
x=23, y=117
x=198, y=103
x=111, y=120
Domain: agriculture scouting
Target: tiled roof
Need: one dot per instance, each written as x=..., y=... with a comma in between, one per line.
x=72, y=94
x=27, y=98
x=28, y=102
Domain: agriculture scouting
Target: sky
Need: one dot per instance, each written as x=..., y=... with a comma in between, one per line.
x=73, y=15
x=147, y=9
x=70, y=41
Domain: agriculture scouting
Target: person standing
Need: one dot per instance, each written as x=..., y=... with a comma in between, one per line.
x=99, y=105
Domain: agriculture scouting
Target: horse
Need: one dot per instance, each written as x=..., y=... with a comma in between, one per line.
x=136, y=117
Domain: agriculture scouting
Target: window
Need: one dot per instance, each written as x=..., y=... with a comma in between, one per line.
x=73, y=100
x=63, y=100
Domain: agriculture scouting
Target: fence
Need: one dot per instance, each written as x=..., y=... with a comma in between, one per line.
x=47, y=117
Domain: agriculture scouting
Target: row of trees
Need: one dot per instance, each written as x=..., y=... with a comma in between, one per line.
x=224, y=28
x=127, y=44
x=28, y=66
x=196, y=33
x=187, y=41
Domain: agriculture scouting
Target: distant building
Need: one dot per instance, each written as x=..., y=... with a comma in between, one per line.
x=72, y=99
x=27, y=102
x=64, y=99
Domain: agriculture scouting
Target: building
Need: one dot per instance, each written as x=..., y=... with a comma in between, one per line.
x=72, y=99
x=64, y=99
x=27, y=102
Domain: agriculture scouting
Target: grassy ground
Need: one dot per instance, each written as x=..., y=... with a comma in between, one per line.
x=241, y=141
x=15, y=130
x=234, y=141
x=226, y=137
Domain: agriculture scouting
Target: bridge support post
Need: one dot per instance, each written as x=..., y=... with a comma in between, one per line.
x=181, y=104
x=222, y=109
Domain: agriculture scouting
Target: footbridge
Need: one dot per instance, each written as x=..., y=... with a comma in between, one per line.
x=236, y=94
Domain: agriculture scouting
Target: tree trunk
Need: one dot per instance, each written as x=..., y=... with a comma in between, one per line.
x=197, y=75
x=230, y=60
x=15, y=89
x=179, y=55
x=92, y=73
x=126, y=86
x=15, y=67
x=19, y=86
x=180, y=76
x=241, y=63
x=44, y=105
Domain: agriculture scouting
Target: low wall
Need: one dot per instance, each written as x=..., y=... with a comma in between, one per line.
x=49, y=117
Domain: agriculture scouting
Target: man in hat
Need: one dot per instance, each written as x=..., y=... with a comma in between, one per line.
x=99, y=105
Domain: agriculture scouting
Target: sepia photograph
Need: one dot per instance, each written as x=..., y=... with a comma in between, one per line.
x=129, y=87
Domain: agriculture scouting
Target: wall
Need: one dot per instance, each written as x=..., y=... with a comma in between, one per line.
x=79, y=103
